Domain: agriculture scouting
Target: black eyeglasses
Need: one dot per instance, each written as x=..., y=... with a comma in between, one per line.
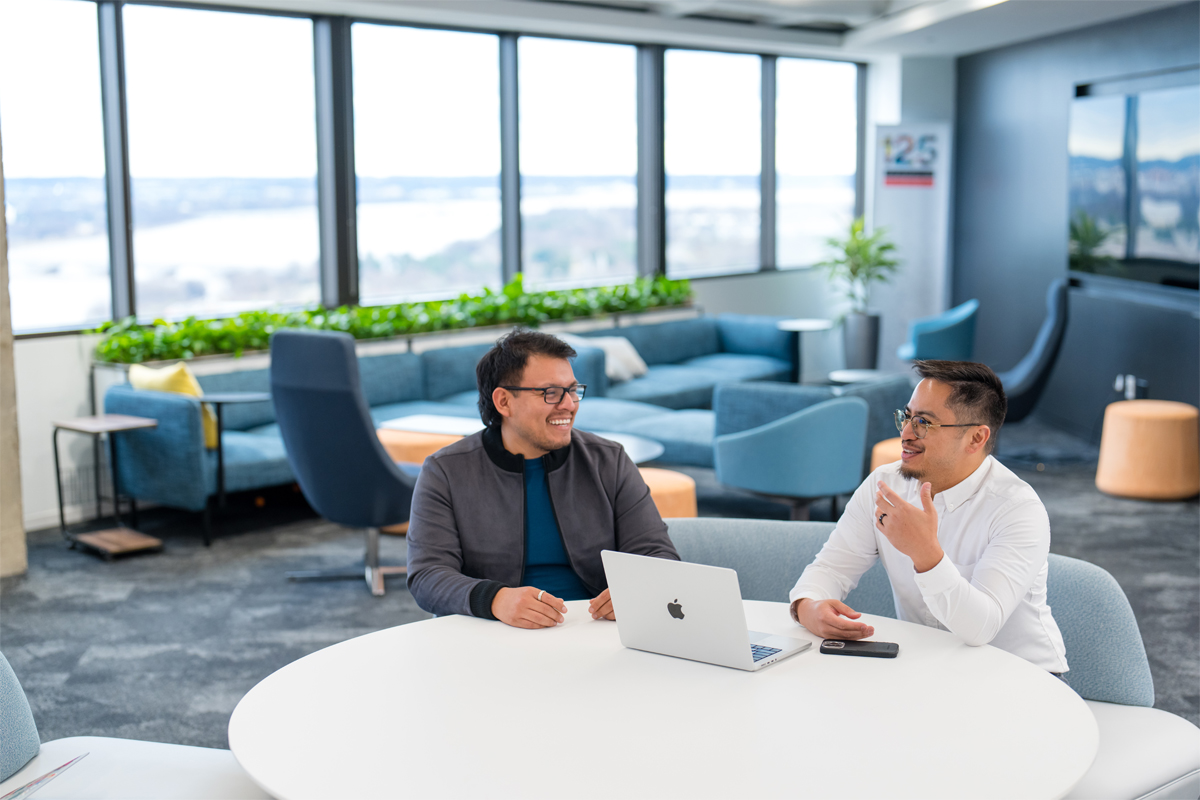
x=552, y=394
x=921, y=425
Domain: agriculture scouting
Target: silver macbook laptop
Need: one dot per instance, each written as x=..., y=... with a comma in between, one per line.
x=688, y=611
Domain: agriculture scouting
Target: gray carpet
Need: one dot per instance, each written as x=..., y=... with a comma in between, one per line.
x=161, y=647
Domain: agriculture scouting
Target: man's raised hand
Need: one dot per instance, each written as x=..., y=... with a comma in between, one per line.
x=911, y=530
x=831, y=619
x=528, y=607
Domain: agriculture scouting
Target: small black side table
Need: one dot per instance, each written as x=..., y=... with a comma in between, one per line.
x=112, y=541
x=219, y=401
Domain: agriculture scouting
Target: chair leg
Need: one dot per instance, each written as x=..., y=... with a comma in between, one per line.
x=371, y=571
x=208, y=523
x=800, y=510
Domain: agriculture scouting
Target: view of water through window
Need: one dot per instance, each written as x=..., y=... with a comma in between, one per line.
x=54, y=198
x=713, y=155
x=222, y=154
x=427, y=156
x=578, y=162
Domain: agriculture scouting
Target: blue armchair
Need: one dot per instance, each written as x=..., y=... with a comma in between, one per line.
x=742, y=406
x=812, y=453
x=949, y=335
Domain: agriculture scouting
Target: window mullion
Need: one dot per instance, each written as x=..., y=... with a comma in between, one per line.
x=860, y=166
x=651, y=177
x=510, y=164
x=336, y=196
x=116, y=159
x=766, y=183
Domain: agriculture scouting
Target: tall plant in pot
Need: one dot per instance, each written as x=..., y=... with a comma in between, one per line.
x=860, y=260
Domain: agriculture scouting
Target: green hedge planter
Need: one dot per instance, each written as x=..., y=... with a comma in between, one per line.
x=127, y=342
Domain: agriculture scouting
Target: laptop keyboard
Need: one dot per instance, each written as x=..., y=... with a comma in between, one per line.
x=759, y=652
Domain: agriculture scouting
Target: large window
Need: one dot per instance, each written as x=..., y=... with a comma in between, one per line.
x=816, y=154
x=427, y=154
x=578, y=153
x=713, y=153
x=219, y=118
x=222, y=153
x=53, y=140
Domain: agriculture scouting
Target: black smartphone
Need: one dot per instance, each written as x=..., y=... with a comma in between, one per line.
x=837, y=647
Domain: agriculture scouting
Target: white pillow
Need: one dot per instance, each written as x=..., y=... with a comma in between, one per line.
x=621, y=359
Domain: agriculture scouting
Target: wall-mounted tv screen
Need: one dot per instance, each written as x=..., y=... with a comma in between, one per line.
x=1135, y=180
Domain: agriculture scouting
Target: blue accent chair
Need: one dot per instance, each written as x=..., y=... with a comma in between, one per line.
x=1023, y=384
x=18, y=731
x=949, y=335
x=1144, y=752
x=816, y=452
x=113, y=767
x=334, y=451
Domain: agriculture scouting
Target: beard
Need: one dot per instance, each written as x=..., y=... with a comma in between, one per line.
x=911, y=473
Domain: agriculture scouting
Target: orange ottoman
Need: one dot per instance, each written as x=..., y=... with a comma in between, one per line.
x=673, y=492
x=885, y=452
x=1149, y=450
x=412, y=447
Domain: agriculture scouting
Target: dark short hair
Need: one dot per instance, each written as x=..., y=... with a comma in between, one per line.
x=976, y=395
x=504, y=364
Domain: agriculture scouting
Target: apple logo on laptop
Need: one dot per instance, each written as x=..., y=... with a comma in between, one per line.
x=675, y=610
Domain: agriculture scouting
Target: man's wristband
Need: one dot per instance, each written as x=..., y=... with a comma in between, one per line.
x=482, y=595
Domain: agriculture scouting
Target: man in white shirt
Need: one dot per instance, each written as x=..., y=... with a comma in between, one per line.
x=963, y=539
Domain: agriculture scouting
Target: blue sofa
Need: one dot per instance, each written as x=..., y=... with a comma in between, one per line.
x=170, y=465
x=688, y=358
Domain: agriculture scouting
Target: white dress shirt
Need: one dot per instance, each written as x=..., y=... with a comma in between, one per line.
x=989, y=588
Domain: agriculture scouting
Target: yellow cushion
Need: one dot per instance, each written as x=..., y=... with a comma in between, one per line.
x=178, y=379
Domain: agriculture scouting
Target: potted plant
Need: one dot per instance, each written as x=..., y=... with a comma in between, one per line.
x=861, y=259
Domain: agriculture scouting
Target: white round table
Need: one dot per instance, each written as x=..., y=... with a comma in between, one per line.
x=463, y=707
x=638, y=448
x=803, y=326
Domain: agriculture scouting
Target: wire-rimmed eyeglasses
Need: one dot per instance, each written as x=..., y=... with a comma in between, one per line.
x=921, y=426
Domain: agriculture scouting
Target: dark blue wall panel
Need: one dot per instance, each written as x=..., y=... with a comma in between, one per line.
x=1011, y=216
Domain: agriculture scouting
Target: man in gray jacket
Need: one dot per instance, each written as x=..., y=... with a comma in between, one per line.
x=509, y=523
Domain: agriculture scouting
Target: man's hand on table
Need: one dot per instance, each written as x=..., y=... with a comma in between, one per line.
x=831, y=619
x=602, y=607
x=528, y=607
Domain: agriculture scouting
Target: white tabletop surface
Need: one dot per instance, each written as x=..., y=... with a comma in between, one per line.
x=805, y=325
x=435, y=423
x=463, y=707
x=638, y=448
x=855, y=375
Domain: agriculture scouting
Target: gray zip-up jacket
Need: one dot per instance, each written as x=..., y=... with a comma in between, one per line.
x=466, y=534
